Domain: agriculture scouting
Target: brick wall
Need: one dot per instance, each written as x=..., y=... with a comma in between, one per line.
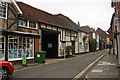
x=37, y=46
x=90, y=35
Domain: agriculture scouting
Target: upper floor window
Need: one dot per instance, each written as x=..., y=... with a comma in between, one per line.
x=23, y=23
x=67, y=33
x=32, y=24
x=3, y=10
x=27, y=24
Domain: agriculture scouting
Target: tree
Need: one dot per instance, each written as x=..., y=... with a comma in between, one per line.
x=92, y=44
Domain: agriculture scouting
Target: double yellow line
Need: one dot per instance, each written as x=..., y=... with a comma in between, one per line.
x=89, y=66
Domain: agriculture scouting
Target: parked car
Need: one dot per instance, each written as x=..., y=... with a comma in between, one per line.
x=6, y=69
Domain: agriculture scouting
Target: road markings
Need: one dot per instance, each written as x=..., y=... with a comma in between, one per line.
x=52, y=62
x=89, y=66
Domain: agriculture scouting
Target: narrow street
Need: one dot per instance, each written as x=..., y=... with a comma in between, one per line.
x=63, y=69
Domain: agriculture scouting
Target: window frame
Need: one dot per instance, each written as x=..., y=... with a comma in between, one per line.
x=3, y=58
x=13, y=59
x=23, y=25
x=6, y=6
x=32, y=27
x=28, y=22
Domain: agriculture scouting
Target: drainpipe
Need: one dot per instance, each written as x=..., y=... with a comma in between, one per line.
x=40, y=32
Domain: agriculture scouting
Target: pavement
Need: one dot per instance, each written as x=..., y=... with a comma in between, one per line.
x=47, y=61
x=106, y=68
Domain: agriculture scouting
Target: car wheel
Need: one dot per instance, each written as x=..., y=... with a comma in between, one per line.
x=4, y=74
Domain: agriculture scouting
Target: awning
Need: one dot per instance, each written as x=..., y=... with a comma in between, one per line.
x=18, y=33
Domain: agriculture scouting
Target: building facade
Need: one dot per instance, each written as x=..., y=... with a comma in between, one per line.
x=115, y=28
x=23, y=33
x=15, y=41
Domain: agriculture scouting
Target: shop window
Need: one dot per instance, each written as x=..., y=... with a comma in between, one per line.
x=3, y=9
x=32, y=24
x=23, y=23
x=19, y=46
x=2, y=47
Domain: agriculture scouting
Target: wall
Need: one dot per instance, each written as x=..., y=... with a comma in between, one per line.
x=80, y=40
x=62, y=37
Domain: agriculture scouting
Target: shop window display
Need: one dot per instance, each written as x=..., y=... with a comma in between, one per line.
x=2, y=45
x=19, y=46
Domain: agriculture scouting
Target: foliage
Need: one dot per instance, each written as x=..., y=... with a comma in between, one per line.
x=84, y=39
x=92, y=44
x=68, y=50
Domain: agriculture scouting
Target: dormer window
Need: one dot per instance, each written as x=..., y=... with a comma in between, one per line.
x=3, y=10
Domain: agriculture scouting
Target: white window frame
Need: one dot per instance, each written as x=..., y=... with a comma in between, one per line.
x=6, y=11
x=28, y=21
x=22, y=25
x=14, y=59
x=3, y=58
x=32, y=27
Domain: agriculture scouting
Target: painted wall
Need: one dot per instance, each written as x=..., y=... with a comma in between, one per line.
x=80, y=46
x=97, y=39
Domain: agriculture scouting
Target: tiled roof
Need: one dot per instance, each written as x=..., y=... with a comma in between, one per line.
x=35, y=14
x=101, y=33
x=67, y=20
x=87, y=29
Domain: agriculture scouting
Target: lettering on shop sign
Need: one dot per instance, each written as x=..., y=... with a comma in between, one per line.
x=49, y=45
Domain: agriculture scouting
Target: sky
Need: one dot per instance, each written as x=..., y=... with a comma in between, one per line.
x=95, y=13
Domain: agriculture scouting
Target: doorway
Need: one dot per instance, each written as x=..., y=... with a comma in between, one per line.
x=50, y=43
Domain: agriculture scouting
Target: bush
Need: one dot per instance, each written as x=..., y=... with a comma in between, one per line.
x=92, y=44
x=69, y=50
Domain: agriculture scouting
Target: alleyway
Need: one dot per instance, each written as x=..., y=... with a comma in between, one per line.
x=63, y=69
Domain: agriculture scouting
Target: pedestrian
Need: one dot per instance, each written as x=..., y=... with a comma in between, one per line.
x=110, y=46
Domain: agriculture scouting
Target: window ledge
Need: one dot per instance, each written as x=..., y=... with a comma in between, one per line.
x=20, y=59
x=3, y=18
x=27, y=27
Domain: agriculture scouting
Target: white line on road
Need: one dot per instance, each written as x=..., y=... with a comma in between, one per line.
x=89, y=66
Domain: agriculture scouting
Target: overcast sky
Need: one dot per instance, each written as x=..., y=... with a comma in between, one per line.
x=95, y=13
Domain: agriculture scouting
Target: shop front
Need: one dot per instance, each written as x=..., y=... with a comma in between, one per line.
x=16, y=45
x=2, y=47
x=19, y=46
